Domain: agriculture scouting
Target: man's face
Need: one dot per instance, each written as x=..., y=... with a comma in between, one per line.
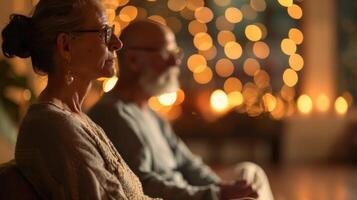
x=160, y=67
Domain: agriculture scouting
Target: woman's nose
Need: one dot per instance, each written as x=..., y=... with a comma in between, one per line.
x=115, y=43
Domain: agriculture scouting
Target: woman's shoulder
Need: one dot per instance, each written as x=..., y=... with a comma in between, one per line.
x=47, y=114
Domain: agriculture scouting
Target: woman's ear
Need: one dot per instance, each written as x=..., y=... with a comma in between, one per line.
x=63, y=44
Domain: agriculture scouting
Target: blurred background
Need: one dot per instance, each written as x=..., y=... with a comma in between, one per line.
x=268, y=81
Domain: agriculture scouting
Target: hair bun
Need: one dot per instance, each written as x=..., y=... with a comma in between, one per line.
x=17, y=37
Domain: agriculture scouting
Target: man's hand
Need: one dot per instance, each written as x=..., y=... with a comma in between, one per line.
x=238, y=189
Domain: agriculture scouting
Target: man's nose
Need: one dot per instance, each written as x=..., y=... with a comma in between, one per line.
x=115, y=43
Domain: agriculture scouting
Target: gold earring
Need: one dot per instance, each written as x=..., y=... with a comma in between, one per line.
x=69, y=78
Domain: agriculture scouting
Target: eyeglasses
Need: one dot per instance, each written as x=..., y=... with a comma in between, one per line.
x=177, y=52
x=106, y=32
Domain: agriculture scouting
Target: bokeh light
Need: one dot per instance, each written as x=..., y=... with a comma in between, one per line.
x=195, y=27
x=202, y=41
x=168, y=99
x=296, y=62
x=223, y=24
x=253, y=32
x=286, y=3
x=322, y=103
x=222, y=3
x=219, y=100
x=251, y=66
x=203, y=77
x=209, y=54
x=233, y=15
x=196, y=63
x=288, y=46
x=262, y=79
x=194, y=4
x=295, y=11
x=341, y=106
x=174, y=23
x=203, y=14
x=304, y=104
x=224, y=37
x=128, y=13
x=269, y=102
x=248, y=12
x=261, y=50
x=232, y=84
x=290, y=77
x=235, y=99
x=158, y=19
x=233, y=50
x=224, y=67
x=176, y=5
x=296, y=35
x=258, y=5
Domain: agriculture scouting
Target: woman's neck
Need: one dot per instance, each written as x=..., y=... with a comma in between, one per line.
x=68, y=97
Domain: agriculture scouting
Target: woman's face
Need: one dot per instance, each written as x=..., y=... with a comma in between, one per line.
x=91, y=56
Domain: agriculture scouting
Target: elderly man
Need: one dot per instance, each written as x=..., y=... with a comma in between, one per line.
x=149, y=66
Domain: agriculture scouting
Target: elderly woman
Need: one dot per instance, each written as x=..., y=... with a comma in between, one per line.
x=59, y=149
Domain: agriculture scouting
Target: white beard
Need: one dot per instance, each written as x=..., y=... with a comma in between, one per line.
x=165, y=82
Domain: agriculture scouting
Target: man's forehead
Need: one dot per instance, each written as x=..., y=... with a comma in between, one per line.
x=149, y=35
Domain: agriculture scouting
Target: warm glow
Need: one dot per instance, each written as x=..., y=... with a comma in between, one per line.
x=349, y=98
x=110, y=15
x=296, y=35
x=224, y=67
x=262, y=79
x=263, y=29
x=194, y=4
x=128, y=13
x=155, y=104
x=195, y=27
x=223, y=24
x=233, y=50
x=341, y=106
x=187, y=14
x=224, y=37
x=174, y=23
x=176, y=5
x=304, y=104
x=233, y=15
x=232, y=84
x=122, y=2
x=296, y=62
x=286, y=3
x=288, y=46
x=295, y=11
x=258, y=5
x=219, y=100
x=202, y=41
x=322, y=103
x=180, y=97
x=222, y=3
x=210, y=53
x=248, y=12
x=203, y=14
x=158, y=19
x=288, y=93
x=235, y=99
x=290, y=77
x=168, y=99
x=196, y=63
x=251, y=66
x=261, y=50
x=269, y=102
x=253, y=33
x=109, y=83
x=203, y=77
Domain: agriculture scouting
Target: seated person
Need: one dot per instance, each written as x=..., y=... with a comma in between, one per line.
x=60, y=151
x=149, y=66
